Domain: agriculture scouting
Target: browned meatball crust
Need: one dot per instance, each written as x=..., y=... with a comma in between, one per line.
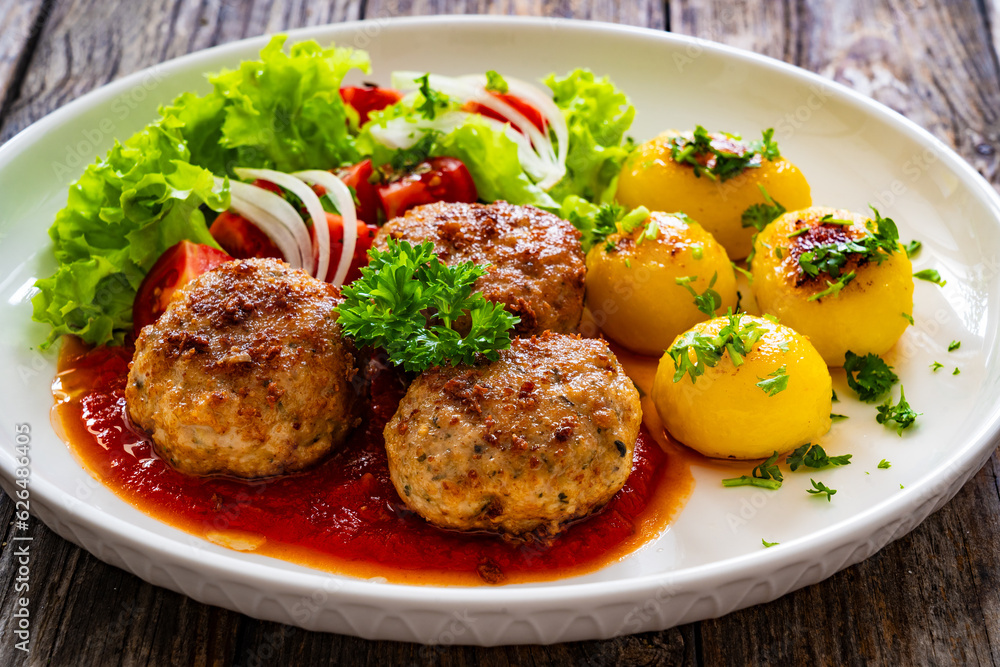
x=537, y=267
x=520, y=446
x=245, y=374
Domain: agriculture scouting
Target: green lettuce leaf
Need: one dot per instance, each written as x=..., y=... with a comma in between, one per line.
x=281, y=112
x=491, y=158
x=122, y=214
x=597, y=116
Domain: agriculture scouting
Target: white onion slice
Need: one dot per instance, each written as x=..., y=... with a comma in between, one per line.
x=404, y=133
x=315, y=210
x=272, y=215
x=473, y=88
x=340, y=194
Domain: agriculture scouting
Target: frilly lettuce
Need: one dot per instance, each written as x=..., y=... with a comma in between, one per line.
x=283, y=111
x=121, y=215
x=597, y=116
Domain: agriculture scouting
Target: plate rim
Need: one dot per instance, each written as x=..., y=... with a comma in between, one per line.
x=547, y=595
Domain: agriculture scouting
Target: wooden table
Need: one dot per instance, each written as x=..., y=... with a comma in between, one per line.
x=931, y=597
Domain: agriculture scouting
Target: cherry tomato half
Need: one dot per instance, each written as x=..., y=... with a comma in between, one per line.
x=175, y=268
x=367, y=99
x=358, y=178
x=366, y=234
x=527, y=110
x=434, y=180
x=241, y=238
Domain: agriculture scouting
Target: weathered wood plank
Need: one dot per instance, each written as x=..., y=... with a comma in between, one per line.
x=934, y=62
x=20, y=20
x=87, y=43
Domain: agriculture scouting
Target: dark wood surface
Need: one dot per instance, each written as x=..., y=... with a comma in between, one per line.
x=933, y=597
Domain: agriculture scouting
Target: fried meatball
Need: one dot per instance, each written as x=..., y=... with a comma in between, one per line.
x=245, y=374
x=536, y=262
x=520, y=446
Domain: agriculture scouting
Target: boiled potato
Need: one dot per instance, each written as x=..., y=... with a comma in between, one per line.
x=777, y=398
x=632, y=288
x=867, y=316
x=651, y=178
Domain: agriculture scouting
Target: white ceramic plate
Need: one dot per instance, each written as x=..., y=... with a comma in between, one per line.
x=710, y=561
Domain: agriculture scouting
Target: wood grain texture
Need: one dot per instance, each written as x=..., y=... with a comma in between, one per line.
x=21, y=21
x=932, y=597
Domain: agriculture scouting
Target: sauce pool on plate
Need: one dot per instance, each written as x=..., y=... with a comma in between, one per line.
x=344, y=516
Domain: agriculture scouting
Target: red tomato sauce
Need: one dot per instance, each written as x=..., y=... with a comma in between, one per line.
x=344, y=516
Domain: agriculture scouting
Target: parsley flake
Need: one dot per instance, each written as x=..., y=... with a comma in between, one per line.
x=767, y=475
x=814, y=456
x=734, y=337
x=931, y=276
x=834, y=288
x=908, y=317
x=912, y=248
x=936, y=366
x=721, y=158
x=869, y=376
x=819, y=488
x=901, y=413
x=837, y=418
x=775, y=382
x=760, y=216
x=708, y=301
x=884, y=465
x=433, y=101
x=496, y=83
x=768, y=544
x=407, y=302
x=956, y=371
x=954, y=345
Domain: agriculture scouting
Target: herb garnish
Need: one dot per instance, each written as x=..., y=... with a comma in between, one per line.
x=936, y=366
x=760, y=216
x=931, y=276
x=724, y=162
x=884, y=465
x=406, y=159
x=433, y=101
x=869, y=376
x=907, y=317
x=769, y=544
x=954, y=345
x=913, y=247
x=881, y=241
x=901, y=413
x=734, y=337
x=775, y=382
x=496, y=83
x=956, y=371
x=820, y=487
x=708, y=301
x=407, y=302
x=814, y=456
x=766, y=476
x=833, y=288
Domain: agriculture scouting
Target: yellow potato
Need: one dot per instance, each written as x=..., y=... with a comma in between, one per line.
x=867, y=316
x=632, y=289
x=726, y=413
x=651, y=178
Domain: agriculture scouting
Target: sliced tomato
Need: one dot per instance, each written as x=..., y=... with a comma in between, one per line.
x=358, y=178
x=268, y=185
x=175, y=268
x=366, y=234
x=434, y=180
x=241, y=238
x=526, y=109
x=367, y=99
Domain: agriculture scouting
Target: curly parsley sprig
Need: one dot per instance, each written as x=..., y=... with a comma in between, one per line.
x=407, y=303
